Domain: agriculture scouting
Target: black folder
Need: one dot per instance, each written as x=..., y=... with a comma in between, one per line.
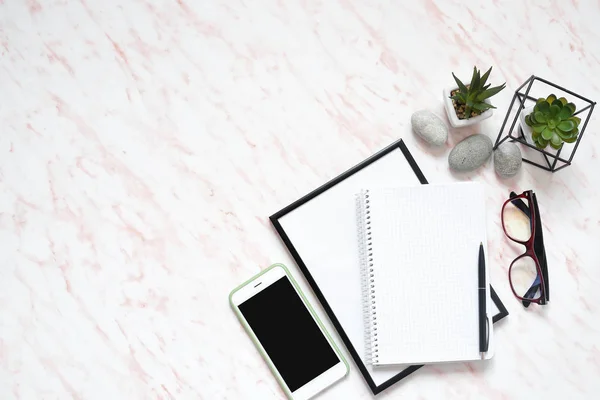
x=308, y=268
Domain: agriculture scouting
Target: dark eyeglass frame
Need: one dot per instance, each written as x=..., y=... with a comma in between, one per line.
x=534, y=248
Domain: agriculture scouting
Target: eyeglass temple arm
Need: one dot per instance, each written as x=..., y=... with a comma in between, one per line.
x=540, y=249
x=530, y=294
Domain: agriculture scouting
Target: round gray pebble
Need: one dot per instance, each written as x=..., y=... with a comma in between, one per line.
x=507, y=160
x=429, y=127
x=470, y=153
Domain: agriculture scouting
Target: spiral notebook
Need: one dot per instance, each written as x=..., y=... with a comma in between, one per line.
x=418, y=250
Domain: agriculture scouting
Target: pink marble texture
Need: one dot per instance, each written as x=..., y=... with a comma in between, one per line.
x=145, y=143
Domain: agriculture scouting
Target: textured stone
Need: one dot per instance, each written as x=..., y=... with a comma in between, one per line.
x=429, y=127
x=507, y=159
x=471, y=153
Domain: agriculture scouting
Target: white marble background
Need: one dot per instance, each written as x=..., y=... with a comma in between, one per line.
x=143, y=145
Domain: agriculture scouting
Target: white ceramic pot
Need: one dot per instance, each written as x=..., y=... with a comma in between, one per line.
x=461, y=123
x=528, y=132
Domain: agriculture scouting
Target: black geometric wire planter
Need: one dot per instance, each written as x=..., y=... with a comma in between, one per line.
x=544, y=159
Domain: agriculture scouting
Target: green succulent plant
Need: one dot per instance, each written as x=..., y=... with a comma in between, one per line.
x=470, y=99
x=552, y=122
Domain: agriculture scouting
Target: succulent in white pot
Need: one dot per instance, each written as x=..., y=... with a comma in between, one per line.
x=551, y=122
x=469, y=104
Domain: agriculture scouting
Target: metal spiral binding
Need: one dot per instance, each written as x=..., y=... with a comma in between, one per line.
x=365, y=246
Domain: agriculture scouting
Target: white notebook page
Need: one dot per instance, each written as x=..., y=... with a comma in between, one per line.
x=425, y=248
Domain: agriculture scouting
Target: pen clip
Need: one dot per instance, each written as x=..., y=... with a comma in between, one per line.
x=487, y=332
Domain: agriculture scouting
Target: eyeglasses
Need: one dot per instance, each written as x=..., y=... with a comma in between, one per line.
x=528, y=273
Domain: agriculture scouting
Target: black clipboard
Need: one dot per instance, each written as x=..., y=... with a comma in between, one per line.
x=376, y=389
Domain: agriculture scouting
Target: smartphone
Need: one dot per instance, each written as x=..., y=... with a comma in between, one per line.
x=288, y=333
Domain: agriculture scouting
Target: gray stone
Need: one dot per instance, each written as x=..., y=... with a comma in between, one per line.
x=429, y=127
x=471, y=153
x=507, y=159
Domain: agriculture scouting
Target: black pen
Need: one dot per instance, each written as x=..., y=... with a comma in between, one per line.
x=483, y=343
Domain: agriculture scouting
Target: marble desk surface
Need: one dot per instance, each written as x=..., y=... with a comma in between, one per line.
x=143, y=145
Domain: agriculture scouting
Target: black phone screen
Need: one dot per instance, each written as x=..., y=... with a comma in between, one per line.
x=288, y=333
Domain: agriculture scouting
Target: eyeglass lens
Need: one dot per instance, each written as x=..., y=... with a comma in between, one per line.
x=523, y=275
x=517, y=224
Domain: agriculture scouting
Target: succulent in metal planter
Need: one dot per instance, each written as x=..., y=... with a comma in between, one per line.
x=469, y=100
x=552, y=122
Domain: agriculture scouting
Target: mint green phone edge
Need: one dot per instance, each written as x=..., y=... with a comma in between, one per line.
x=255, y=340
